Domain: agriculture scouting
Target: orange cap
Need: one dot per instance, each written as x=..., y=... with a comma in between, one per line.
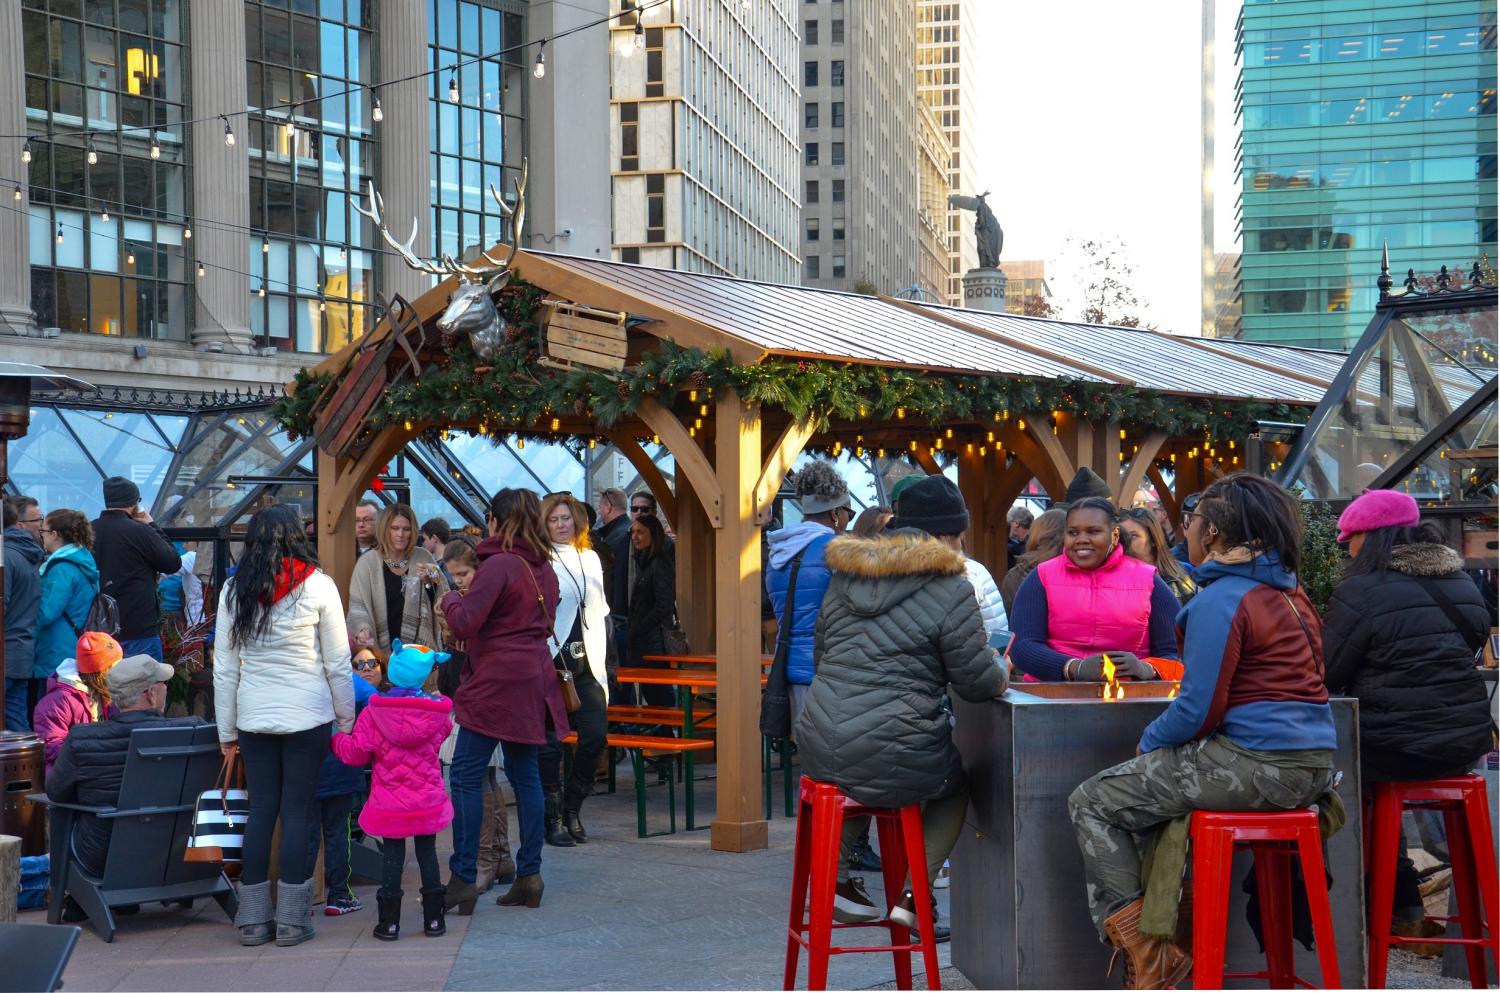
x=97, y=651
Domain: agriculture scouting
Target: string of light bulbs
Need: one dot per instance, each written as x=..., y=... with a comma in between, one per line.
x=377, y=114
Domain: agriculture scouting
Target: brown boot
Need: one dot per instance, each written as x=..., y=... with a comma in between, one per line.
x=1150, y=963
x=484, y=862
x=505, y=866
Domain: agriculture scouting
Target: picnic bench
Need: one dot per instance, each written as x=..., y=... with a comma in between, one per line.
x=640, y=747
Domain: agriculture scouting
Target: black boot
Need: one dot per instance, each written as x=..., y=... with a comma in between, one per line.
x=433, y=925
x=555, y=833
x=388, y=928
x=572, y=803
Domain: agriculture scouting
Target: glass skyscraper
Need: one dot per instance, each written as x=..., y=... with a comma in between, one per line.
x=1363, y=123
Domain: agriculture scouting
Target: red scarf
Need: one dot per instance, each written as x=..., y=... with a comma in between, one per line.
x=290, y=576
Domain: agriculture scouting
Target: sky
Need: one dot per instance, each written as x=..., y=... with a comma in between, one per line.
x=1089, y=128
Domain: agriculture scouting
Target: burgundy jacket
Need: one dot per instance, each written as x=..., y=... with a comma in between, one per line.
x=508, y=687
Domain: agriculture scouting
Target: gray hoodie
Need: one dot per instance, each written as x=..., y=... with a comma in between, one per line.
x=23, y=595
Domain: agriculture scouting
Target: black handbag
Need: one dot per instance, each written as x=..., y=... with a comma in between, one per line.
x=776, y=699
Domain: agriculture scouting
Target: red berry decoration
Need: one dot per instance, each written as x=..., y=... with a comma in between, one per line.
x=801, y=366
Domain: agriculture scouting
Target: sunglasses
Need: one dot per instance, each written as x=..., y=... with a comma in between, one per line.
x=640, y=510
x=365, y=665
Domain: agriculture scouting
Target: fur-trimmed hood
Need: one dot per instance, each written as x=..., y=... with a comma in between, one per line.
x=876, y=574
x=1425, y=559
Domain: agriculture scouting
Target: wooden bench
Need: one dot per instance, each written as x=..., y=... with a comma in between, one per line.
x=667, y=716
x=639, y=746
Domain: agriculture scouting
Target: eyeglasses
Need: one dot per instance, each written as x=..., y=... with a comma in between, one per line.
x=34, y=520
x=640, y=510
x=365, y=665
x=47, y=531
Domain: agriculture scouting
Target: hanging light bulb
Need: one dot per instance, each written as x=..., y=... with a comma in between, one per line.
x=265, y=245
x=228, y=132
x=376, y=114
x=59, y=234
x=93, y=153
x=452, y=88
x=155, y=149
x=540, y=69
x=130, y=256
x=262, y=291
x=640, y=34
x=104, y=215
x=26, y=153
x=201, y=271
x=187, y=232
x=322, y=305
x=18, y=191
x=291, y=130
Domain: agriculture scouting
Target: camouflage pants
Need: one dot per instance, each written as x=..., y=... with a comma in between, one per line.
x=1117, y=811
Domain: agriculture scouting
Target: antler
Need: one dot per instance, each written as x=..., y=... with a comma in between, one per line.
x=377, y=204
x=517, y=215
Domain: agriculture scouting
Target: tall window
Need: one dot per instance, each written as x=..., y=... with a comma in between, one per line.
x=836, y=114
x=810, y=31
x=836, y=73
x=630, y=137
x=311, y=269
x=809, y=115
x=809, y=74
x=477, y=140
x=110, y=68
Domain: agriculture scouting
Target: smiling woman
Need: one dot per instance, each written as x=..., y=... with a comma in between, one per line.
x=1091, y=605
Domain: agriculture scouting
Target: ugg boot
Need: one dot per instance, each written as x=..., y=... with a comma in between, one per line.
x=461, y=896
x=293, y=912
x=389, y=905
x=253, y=917
x=1150, y=963
x=572, y=803
x=433, y=925
x=555, y=833
x=526, y=891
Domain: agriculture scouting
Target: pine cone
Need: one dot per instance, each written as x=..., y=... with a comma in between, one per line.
x=698, y=379
x=579, y=407
x=622, y=388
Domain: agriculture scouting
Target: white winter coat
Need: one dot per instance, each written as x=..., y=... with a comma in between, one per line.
x=581, y=572
x=991, y=606
x=294, y=678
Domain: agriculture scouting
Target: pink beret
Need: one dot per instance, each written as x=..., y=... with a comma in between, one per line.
x=1378, y=509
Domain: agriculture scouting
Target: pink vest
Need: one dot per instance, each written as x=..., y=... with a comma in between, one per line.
x=1107, y=609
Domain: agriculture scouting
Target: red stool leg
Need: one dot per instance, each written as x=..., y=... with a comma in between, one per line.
x=828, y=821
x=1461, y=857
x=796, y=918
x=1213, y=851
x=1384, y=846
x=1315, y=881
x=916, y=857
x=1273, y=877
x=893, y=869
x=1476, y=812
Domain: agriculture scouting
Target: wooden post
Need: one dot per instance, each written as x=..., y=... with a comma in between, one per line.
x=341, y=482
x=695, y=563
x=738, y=824
x=10, y=877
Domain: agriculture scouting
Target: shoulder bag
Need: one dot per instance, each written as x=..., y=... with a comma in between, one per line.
x=775, y=699
x=218, y=833
x=571, y=700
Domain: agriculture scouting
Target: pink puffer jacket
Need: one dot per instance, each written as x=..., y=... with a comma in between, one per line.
x=1107, y=609
x=400, y=736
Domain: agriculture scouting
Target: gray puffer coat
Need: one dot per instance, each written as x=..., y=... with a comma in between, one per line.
x=899, y=625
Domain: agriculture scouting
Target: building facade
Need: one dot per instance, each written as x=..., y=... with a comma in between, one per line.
x=933, y=156
x=947, y=50
x=1228, y=321
x=858, y=145
x=703, y=154
x=1026, y=289
x=1365, y=123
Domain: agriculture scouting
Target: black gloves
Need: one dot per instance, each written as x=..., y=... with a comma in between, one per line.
x=1090, y=669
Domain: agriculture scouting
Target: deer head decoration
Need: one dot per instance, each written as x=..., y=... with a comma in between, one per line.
x=471, y=309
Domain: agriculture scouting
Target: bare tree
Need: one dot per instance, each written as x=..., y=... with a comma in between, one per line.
x=1103, y=276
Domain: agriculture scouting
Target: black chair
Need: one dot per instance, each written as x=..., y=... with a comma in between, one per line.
x=34, y=956
x=165, y=771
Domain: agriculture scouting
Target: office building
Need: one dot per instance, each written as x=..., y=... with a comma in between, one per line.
x=1364, y=124
x=703, y=153
x=1026, y=289
x=933, y=154
x=947, y=51
x=1227, y=322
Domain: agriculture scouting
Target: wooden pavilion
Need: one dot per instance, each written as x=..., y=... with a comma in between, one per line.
x=736, y=379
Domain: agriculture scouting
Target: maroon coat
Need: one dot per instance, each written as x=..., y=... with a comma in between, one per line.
x=509, y=684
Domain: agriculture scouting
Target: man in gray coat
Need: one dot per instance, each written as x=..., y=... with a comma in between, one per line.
x=23, y=595
x=899, y=626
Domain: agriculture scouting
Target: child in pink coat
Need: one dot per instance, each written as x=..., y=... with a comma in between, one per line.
x=399, y=733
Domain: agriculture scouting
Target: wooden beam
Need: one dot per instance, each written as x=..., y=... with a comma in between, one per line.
x=562, y=280
x=1139, y=463
x=1169, y=499
x=650, y=472
x=341, y=482
x=738, y=825
x=688, y=457
x=1046, y=443
x=1039, y=462
x=778, y=462
x=927, y=462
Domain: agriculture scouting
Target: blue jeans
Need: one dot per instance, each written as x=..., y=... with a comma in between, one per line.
x=466, y=778
x=17, y=705
x=143, y=646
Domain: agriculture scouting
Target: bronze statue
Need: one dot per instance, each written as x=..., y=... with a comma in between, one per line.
x=986, y=227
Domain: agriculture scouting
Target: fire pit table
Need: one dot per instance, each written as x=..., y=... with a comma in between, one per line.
x=1020, y=920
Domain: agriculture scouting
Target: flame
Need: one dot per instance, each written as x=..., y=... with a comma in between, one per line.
x=1112, y=690
x=1109, y=670
x=1120, y=691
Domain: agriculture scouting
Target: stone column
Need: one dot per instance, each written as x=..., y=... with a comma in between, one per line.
x=405, y=179
x=15, y=275
x=984, y=289
x=221, y=178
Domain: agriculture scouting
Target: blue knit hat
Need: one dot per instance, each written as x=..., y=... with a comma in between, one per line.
x=410, y=665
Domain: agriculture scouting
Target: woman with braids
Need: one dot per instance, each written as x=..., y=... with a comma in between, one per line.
x=507, y=694
x=282, y=683
x=1146, y=541
x=1090, y=602
x=1250, y=730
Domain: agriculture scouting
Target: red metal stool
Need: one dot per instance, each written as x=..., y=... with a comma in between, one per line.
x=820, y=821
x=1466, y=815
x=1275, y=839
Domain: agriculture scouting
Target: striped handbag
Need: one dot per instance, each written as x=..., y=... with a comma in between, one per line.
x=219, y=819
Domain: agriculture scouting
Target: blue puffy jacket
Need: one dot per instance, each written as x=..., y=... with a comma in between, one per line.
x=70, y=580
x=812, y=583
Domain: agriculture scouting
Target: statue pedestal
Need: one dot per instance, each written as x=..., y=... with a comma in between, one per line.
x=984, y=289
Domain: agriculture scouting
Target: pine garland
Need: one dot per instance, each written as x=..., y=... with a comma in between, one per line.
x=514, y=394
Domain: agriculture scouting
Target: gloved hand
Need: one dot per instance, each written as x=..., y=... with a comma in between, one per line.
x=1090, y=669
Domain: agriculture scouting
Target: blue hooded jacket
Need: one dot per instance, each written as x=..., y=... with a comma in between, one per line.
x=1252, y=652
x=70, y=580
x=335, y=778
x=23, y=594
x=812, y=583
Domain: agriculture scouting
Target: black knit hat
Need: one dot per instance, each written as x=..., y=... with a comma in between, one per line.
x=1087, y=484
x=934, y=505
x=120, y=492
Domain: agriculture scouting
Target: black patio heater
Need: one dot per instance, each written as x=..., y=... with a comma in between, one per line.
x=16, y=380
